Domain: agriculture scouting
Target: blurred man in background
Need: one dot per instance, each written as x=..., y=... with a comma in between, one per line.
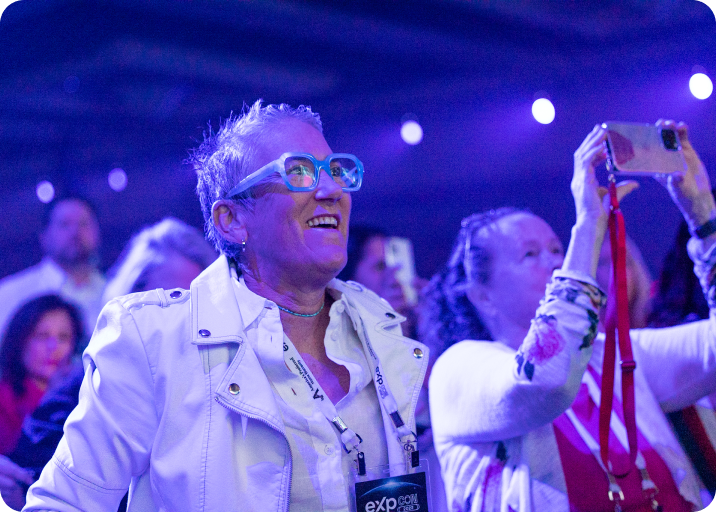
x=69, y=240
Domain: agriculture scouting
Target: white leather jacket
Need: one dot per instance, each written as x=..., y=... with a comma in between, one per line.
x=176, y=407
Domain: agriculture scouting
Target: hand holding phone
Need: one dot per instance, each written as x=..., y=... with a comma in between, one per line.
x=690, y=190
x=644, y=149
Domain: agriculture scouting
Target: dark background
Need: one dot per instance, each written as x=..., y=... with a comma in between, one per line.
x=89, y=86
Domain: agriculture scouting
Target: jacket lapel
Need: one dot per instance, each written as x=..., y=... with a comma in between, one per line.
x=403, y=361
x=216, y=321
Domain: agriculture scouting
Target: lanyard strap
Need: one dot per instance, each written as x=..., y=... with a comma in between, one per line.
x=407, y=438
x=648, y=486
x=350, y=440
x=617, y=321
x=348, y=437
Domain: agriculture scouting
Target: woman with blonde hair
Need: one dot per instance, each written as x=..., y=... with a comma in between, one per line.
x=515, y=415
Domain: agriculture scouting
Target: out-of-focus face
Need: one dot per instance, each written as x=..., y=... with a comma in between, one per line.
x=50, y=345
x=175, y=272
x=373, y=273
x=290, y=233
x=72, y=235
x=370, y=270
x=525, y=251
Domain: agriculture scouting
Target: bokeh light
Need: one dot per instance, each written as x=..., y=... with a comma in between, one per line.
x=117, y=179
x=45, y=191
x=701, y=86
x=411, y=132
x=543, y=111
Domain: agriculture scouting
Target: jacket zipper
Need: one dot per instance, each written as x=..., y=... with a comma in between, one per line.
x=290, y=456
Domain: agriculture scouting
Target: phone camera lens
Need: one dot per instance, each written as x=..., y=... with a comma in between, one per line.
x=671, y=142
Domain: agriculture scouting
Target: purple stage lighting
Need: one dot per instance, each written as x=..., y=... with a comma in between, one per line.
x=45, y=191
x=701, y=86
x=411, y=132
x=543, y=111
x=117, y=179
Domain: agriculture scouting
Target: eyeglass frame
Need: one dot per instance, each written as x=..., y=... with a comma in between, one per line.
x=278, y=166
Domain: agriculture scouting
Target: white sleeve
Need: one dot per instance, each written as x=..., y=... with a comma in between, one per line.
x=109, y=435
x=679, y=363
x=485, y=391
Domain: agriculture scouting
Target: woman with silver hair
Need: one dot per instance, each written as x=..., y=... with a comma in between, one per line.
x=169, y=254
x=515, y=407
x=266, y=383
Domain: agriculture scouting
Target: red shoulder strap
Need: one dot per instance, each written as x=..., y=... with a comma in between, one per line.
x=617, y=321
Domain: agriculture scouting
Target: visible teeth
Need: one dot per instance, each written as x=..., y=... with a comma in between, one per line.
x=317, y=221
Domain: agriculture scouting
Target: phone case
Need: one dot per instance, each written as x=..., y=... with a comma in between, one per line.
x=641, y=149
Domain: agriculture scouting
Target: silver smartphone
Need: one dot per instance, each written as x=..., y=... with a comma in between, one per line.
x=399, y=253
x=643, y=149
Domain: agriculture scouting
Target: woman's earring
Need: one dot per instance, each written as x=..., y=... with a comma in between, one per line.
x=243, y=245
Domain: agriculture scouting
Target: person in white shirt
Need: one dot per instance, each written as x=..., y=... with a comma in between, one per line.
x=70, y=240
x=269, y=381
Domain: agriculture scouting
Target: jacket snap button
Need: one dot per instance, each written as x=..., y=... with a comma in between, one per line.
x=204, y=333
x=175, y=294
x=418, y=353
x=390, y=315
x=234, y=388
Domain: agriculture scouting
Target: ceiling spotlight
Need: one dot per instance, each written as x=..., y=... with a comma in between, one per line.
x=543, y=111
x=117, y=179
x=701, y=86
x=45, y=191
x=411, y=132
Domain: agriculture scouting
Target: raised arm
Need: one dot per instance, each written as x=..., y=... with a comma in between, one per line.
x=486, y=391
x=679, y=363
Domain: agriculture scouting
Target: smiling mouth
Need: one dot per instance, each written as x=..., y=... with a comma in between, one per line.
x=324, y=221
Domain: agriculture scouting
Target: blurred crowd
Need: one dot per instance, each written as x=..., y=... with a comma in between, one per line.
x=48, y=312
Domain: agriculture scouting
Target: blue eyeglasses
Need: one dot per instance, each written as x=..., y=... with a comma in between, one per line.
x=301, y=171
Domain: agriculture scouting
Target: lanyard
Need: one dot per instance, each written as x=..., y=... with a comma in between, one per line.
x=617, y=320
x=388, y=403
x=407, y=438
x=648, y=486
x=349, y=438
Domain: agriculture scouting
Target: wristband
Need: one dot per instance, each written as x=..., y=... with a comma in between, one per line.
x=705, y=230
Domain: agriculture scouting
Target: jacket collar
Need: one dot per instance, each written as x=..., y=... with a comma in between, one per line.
x=371, y=308
x=215, y=311
x=215, y=316
x=403, y=361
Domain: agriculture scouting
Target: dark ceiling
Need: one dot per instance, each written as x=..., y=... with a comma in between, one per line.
x=86, y=86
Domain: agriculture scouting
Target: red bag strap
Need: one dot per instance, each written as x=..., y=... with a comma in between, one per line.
x=617, y=321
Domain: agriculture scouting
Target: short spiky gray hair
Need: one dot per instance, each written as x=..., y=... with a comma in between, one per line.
x=222, y=160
